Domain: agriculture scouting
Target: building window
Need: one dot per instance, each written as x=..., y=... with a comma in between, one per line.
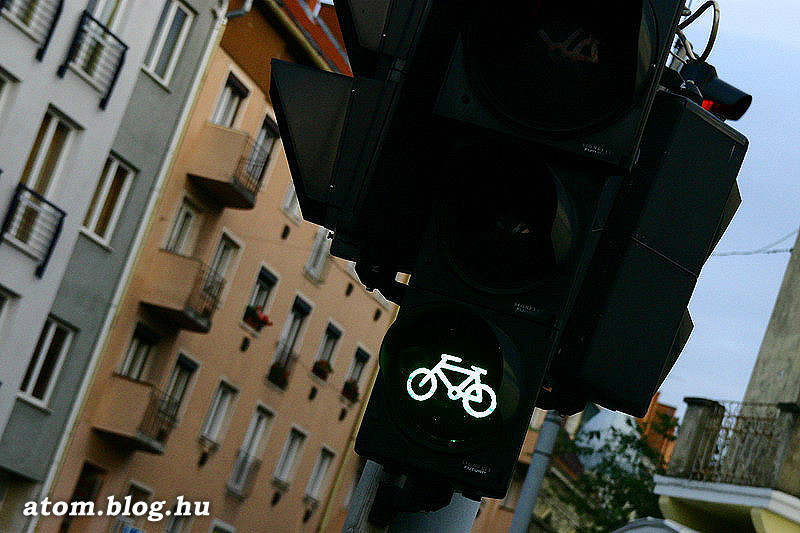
x=108, y=199
x=290, y=204
x=45, y=364
x=288, y=459
x=315, y=482
x=315, y=266
x=46, y=155
x=86, y=489
x=221, y=527
x=177, y=523
x=218, y=411
x=255, y=314
x=262, y=149
x=229, y=102
x=224, y=256
x=177, y=385
x=184, y=228
x=107, y=12
x=165, y=47
x=291, y=330
x=329, y=340
x=350, y=390
x=138, y=355
x=247, y=462
x=136, y=494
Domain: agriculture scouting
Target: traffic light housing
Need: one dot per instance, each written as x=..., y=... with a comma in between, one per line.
x=492, y=153
x=719, y=97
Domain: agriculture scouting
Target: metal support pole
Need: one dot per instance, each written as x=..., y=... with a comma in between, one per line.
x=536, y=471
x=362, y=500
x=455, y=518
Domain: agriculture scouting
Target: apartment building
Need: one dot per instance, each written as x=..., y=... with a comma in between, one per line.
x=241, y=351
x=68, y=69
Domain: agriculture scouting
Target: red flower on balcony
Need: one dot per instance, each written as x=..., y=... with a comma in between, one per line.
x=322, y=368
x=255, y=317
x=350, y=390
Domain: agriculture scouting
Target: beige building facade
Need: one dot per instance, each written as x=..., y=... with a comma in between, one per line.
x=242, y=352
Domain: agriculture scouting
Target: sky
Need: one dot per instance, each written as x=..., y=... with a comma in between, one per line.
x=757, y=50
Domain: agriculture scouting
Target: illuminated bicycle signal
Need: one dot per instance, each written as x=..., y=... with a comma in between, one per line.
x=470, y=390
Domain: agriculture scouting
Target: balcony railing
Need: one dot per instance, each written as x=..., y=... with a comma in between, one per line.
x=137, y=415
x=97, y=54
x=38, y=17
x=244, y=474
x=183, y=291
x=736, y=443
x=282, y=367
x=34, y=224
x=228, y=165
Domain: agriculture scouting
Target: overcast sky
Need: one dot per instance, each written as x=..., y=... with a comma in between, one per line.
x=757, y=50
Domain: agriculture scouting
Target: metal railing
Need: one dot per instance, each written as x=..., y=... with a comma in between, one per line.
x=739, y=444
x=207, y=292
x=38, y=17
x=244, y=474
x=160, y=416
x=34, y=223
x=97, y=53
x=252, y=163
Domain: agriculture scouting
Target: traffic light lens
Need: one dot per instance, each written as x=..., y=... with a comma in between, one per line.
x=444, y=368
x=504, y=221
x=565, y=65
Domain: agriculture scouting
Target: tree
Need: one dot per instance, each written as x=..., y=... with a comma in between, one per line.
x=619, y=486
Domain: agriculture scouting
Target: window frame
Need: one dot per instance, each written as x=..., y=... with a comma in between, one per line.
x=301, y=308
x=221, y=404
x=315, y=266
x=37, y=360
x=156, y=47
x=286, y=464
x=186, y=363
x=32, y=171
x=334, y=332
x=100, y=198
x=188, y=240
x=358, y=358
x=317, y=478
x=291, y=204
x=142, y=336
x=224, y=114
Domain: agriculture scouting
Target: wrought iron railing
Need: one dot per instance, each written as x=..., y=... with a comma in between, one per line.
x=739, y=444
x=282, y=366
x=204, y=298
x=38, y=17
x=97, y=53
x=160, y=416
x=252, y=163
x=244, y=474
x=34, y=223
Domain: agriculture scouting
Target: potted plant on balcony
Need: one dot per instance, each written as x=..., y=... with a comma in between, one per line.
x=255, y=317
x=321, y=368
x=278, y=374
x=350, y=390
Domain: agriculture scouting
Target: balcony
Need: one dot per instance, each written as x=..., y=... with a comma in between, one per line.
x=97, y=55
x=182, y=291
x=735, y=443
x=244, y=474
x=37, y=18
x=135, y=415
x=228, y=165
x=33, y=224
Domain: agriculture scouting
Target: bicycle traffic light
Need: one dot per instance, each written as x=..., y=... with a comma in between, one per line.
x=491, y=152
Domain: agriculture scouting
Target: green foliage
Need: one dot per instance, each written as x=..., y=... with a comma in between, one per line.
x=619, y=486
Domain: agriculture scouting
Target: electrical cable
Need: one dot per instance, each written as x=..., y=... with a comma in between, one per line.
x=764, y=250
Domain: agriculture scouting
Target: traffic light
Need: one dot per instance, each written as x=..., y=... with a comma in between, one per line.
x=495, y=153
x=719, y=97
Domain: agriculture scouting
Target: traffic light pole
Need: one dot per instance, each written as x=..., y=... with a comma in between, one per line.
x=536, y=471
x=456, y=517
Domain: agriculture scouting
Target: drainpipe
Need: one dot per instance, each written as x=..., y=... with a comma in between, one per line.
x=155, y=195
x=248, y=5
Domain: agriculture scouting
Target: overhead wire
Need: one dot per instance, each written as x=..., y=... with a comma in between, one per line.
x=764, y=250
x=712, y=38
